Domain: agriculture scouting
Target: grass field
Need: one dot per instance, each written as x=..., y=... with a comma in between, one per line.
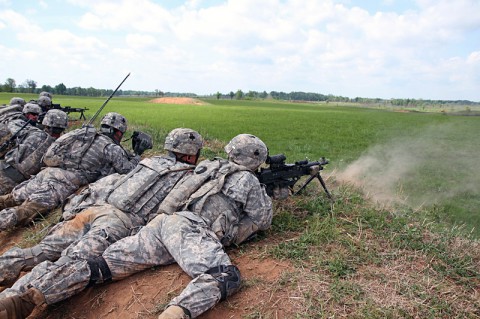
x=391, y=245
x=421, y=159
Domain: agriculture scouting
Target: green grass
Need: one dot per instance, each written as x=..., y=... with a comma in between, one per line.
x=435, y=156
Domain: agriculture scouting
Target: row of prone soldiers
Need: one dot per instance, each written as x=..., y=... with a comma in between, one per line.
x=133, y=215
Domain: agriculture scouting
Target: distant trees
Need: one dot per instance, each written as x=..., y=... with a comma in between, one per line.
x=30, y=86
x=9, y=85
x=60, y=89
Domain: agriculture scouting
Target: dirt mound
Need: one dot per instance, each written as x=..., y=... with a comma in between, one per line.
x=178, y=100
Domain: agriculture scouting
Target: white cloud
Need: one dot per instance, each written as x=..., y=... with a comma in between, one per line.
x=320, y=46
x=140, y=41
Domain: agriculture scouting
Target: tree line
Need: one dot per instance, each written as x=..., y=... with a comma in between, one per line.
x=30, y=86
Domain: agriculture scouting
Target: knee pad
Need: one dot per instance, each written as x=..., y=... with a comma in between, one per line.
x=99, y=270
x=228, y=278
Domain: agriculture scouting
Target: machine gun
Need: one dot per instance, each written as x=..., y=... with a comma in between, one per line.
x=69, y=109
x=279, y=178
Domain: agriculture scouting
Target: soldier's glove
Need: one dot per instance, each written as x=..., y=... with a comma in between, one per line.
x=141, y=142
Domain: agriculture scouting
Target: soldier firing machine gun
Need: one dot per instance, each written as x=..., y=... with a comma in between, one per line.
x=66, y=109
x=69, y=109
x=279, y=178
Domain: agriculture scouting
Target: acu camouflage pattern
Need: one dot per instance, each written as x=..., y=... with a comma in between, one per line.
x=91, y=223
x=247, y=150
x=52, y=185
x=185, y=237
x=91, y=154
x=25, y=158
x=10, y=113
x=85, y=236
x=146, y=186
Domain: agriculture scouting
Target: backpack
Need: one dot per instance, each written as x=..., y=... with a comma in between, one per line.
x=68, y=150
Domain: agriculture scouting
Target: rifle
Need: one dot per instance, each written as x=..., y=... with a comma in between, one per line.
x=279, y=178
x=69, y=109
x=12, y=138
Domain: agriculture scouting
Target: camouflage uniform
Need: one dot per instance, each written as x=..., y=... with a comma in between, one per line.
x=24, y=160
x=98, y=216
x=225, y=204
x=61, y=178
x=10, y=113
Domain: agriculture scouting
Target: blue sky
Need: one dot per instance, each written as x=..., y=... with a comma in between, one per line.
x=426, y=49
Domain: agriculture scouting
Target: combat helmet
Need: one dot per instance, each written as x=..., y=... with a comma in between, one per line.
x=47, y=94
x=247, y=150
x=55, y=118
x=32, y=108
x=17, y=101
x=45, y=102
x=115, y=120
x=184, y=140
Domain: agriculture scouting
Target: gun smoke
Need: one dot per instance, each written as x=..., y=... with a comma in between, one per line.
x=425, y=167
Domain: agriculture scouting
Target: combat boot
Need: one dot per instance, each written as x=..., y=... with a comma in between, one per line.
x=21, y=306
x=172, y=312
x=27, y=211
x=7, y=201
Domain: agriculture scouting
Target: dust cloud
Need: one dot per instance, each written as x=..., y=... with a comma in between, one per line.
x=424, y=167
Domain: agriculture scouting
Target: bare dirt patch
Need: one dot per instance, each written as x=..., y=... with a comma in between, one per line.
x=178, y=100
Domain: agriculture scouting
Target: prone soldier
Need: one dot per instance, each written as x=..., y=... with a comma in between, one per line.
x=110, y=208
x=75, y=159
x=25, y=149
x=222, y=203
x=13, y=111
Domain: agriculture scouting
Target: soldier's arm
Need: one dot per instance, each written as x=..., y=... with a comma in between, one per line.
x=257, y=207
x=121, y=162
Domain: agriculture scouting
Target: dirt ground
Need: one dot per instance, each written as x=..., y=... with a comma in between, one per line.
x=145, y=294
x=177, y=100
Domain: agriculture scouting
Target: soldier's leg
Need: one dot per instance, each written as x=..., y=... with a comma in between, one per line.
x=50, y=187
x=6, y=184
x=52, y=282
x=139, y=252
x=105, y=225
x=87, y=235
x=200, y=254
x=8, y=201
x=22, y=214
x=13, y=261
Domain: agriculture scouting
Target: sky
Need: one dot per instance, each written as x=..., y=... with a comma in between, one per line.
x=422, y=49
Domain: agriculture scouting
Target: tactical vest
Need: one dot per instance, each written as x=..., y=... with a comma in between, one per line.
x=143, y=188
x=208, y=179
x=81, y=149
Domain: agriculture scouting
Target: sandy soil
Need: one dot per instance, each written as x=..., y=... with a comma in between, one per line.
x=177, y=100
